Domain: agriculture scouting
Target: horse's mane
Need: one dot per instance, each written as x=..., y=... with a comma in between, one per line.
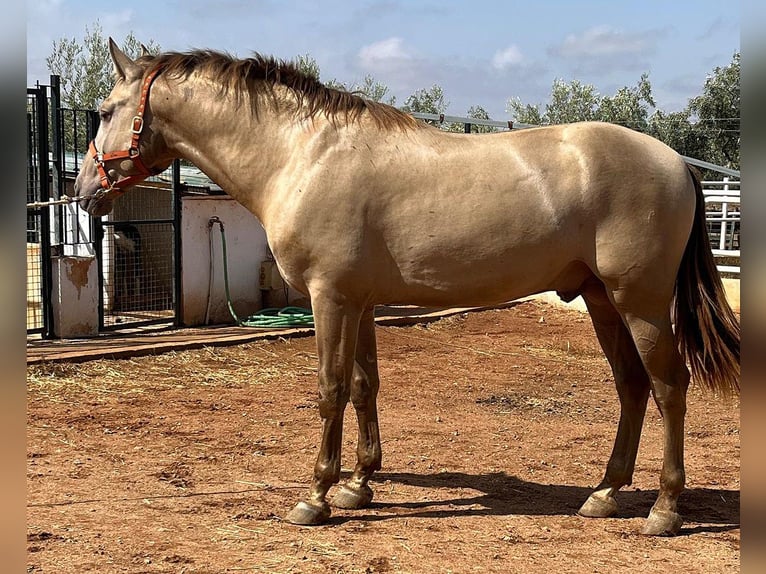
x=252, y=77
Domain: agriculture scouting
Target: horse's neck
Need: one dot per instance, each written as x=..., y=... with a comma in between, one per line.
x=239, y=150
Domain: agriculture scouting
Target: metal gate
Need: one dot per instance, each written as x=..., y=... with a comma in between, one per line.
x=137, y=246
x=39, y=313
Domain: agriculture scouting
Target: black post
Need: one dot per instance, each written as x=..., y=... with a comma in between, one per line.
x=467, y=128
x=41, y=105
x=57, y=125
x=177, y=188
x=57, y=151
x=91, y=127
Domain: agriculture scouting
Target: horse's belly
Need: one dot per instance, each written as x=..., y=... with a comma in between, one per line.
x=465, y=276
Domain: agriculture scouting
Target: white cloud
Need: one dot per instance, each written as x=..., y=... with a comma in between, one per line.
x=507, y=58
x=603, y=41
x=383, y=54
x=604, y=49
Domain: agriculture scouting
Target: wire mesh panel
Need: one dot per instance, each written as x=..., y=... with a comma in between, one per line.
x=35, y=298
x=137, y=259
x=37, y=232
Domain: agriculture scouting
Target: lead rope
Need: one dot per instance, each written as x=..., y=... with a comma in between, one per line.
x=270, y=318
x=65, y=200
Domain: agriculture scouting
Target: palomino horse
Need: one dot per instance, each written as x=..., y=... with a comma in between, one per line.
x=363, y=205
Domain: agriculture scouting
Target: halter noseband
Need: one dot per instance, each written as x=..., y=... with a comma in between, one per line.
x=133, y=153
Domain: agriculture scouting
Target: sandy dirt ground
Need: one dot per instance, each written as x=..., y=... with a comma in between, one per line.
x=495, y=426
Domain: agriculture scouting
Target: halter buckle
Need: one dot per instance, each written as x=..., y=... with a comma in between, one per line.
x=138, y=124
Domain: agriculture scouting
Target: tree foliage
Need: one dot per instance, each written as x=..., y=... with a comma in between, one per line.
x=85, y=66
x=707, y=129
x=717, y=111
x=308, y=66
x=578, y=102
x=427, y=101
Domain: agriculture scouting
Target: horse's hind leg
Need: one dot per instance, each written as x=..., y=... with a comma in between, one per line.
x=364, y=391
x=649, y=323
x=632, y=383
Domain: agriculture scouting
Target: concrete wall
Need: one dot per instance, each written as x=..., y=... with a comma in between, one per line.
x=75, y=297
x=246, y=248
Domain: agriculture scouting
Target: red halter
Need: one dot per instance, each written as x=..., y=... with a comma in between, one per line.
x=116, y=188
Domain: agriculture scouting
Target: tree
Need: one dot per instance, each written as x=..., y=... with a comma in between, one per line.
x=308, y=66
x=676, y=130
x=370, y=88
x=569, y=102
x=717, y=113
x=374, y=90
x=427, y=101
x=629, y=107
x=574, y=101
x=578, y=102
x=478, y=113
x=85, y=67
x=707, y=129
x=524, y=113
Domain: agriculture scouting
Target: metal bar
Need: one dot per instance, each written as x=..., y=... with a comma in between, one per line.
x=98, y=246
x=711, y=166
x=132, y=324
x=728, y=269
x=177, y=189
x=136, y=222
x=474, y=121
x=57, y=149
x=41, y=103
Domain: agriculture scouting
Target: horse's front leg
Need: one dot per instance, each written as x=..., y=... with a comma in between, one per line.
x=364, y=391
x=337, y=326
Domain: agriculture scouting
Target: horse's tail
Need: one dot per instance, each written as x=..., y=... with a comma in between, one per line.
x=707, y=330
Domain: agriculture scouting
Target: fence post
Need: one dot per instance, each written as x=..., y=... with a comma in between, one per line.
x=57, y=163
x=724, y=214
x=177, y=188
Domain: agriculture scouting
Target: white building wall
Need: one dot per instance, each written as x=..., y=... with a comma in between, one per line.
x=204, y=300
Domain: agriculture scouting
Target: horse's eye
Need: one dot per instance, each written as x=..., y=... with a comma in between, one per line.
x=104, y=115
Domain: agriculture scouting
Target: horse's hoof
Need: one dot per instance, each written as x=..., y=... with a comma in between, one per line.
x=662, y=523
x=309, y=513
x=598, y=507
x=352, y=498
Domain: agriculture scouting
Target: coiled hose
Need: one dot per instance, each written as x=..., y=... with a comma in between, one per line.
x=270, y=318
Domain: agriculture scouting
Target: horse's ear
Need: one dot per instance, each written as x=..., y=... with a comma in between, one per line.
x=124, y=67
x=145, y=51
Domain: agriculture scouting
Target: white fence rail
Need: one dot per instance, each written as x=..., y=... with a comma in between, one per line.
x=723, y=215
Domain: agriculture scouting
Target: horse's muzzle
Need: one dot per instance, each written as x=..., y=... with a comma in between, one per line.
x=97, y=204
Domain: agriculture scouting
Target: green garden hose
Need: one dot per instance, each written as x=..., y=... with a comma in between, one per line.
x=271, y=318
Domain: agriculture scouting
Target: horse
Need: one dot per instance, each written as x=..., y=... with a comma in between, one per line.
x=363, y=205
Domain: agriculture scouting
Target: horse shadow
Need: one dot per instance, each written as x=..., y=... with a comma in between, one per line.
x=500, y=494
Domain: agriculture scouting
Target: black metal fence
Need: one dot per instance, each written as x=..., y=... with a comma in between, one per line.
x=38, y=230
x=138, y=264
x=136, y=247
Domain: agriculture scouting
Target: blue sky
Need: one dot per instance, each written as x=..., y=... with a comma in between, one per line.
x=480, y=52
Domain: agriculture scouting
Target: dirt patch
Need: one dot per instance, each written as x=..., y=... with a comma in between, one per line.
x=495, y=426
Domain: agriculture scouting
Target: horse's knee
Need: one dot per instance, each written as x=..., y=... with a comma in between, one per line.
x=333, y=396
